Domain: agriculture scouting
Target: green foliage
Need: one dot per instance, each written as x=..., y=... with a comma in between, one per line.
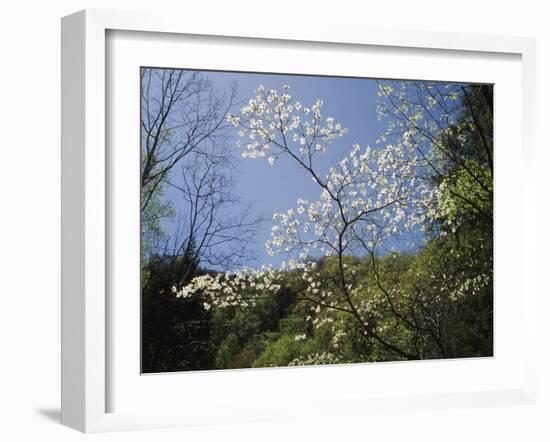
x=265, y=335
x=157, y=209
x=228, y=350
x=468, y=179
x=468, y=190
x=279, y=352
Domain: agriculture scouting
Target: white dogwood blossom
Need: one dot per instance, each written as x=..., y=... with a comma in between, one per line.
x=272, y=119
x=231, y=288
x=317, y=359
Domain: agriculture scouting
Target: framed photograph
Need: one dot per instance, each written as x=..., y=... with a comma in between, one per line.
x=279, y=223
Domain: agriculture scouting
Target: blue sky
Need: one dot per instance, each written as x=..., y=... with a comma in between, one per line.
x=351, y=101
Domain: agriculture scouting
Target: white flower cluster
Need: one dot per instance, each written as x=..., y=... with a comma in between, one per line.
x=230, y=289
x=317, y=359
x=273, y=123
x=337, y=337
x=370, y=195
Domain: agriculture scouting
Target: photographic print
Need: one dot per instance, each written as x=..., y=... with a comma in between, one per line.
x=293, y=220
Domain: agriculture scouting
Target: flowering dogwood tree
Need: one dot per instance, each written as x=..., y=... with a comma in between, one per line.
x=372, y=197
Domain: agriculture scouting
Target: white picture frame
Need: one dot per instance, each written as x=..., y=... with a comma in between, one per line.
x=86, y=204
